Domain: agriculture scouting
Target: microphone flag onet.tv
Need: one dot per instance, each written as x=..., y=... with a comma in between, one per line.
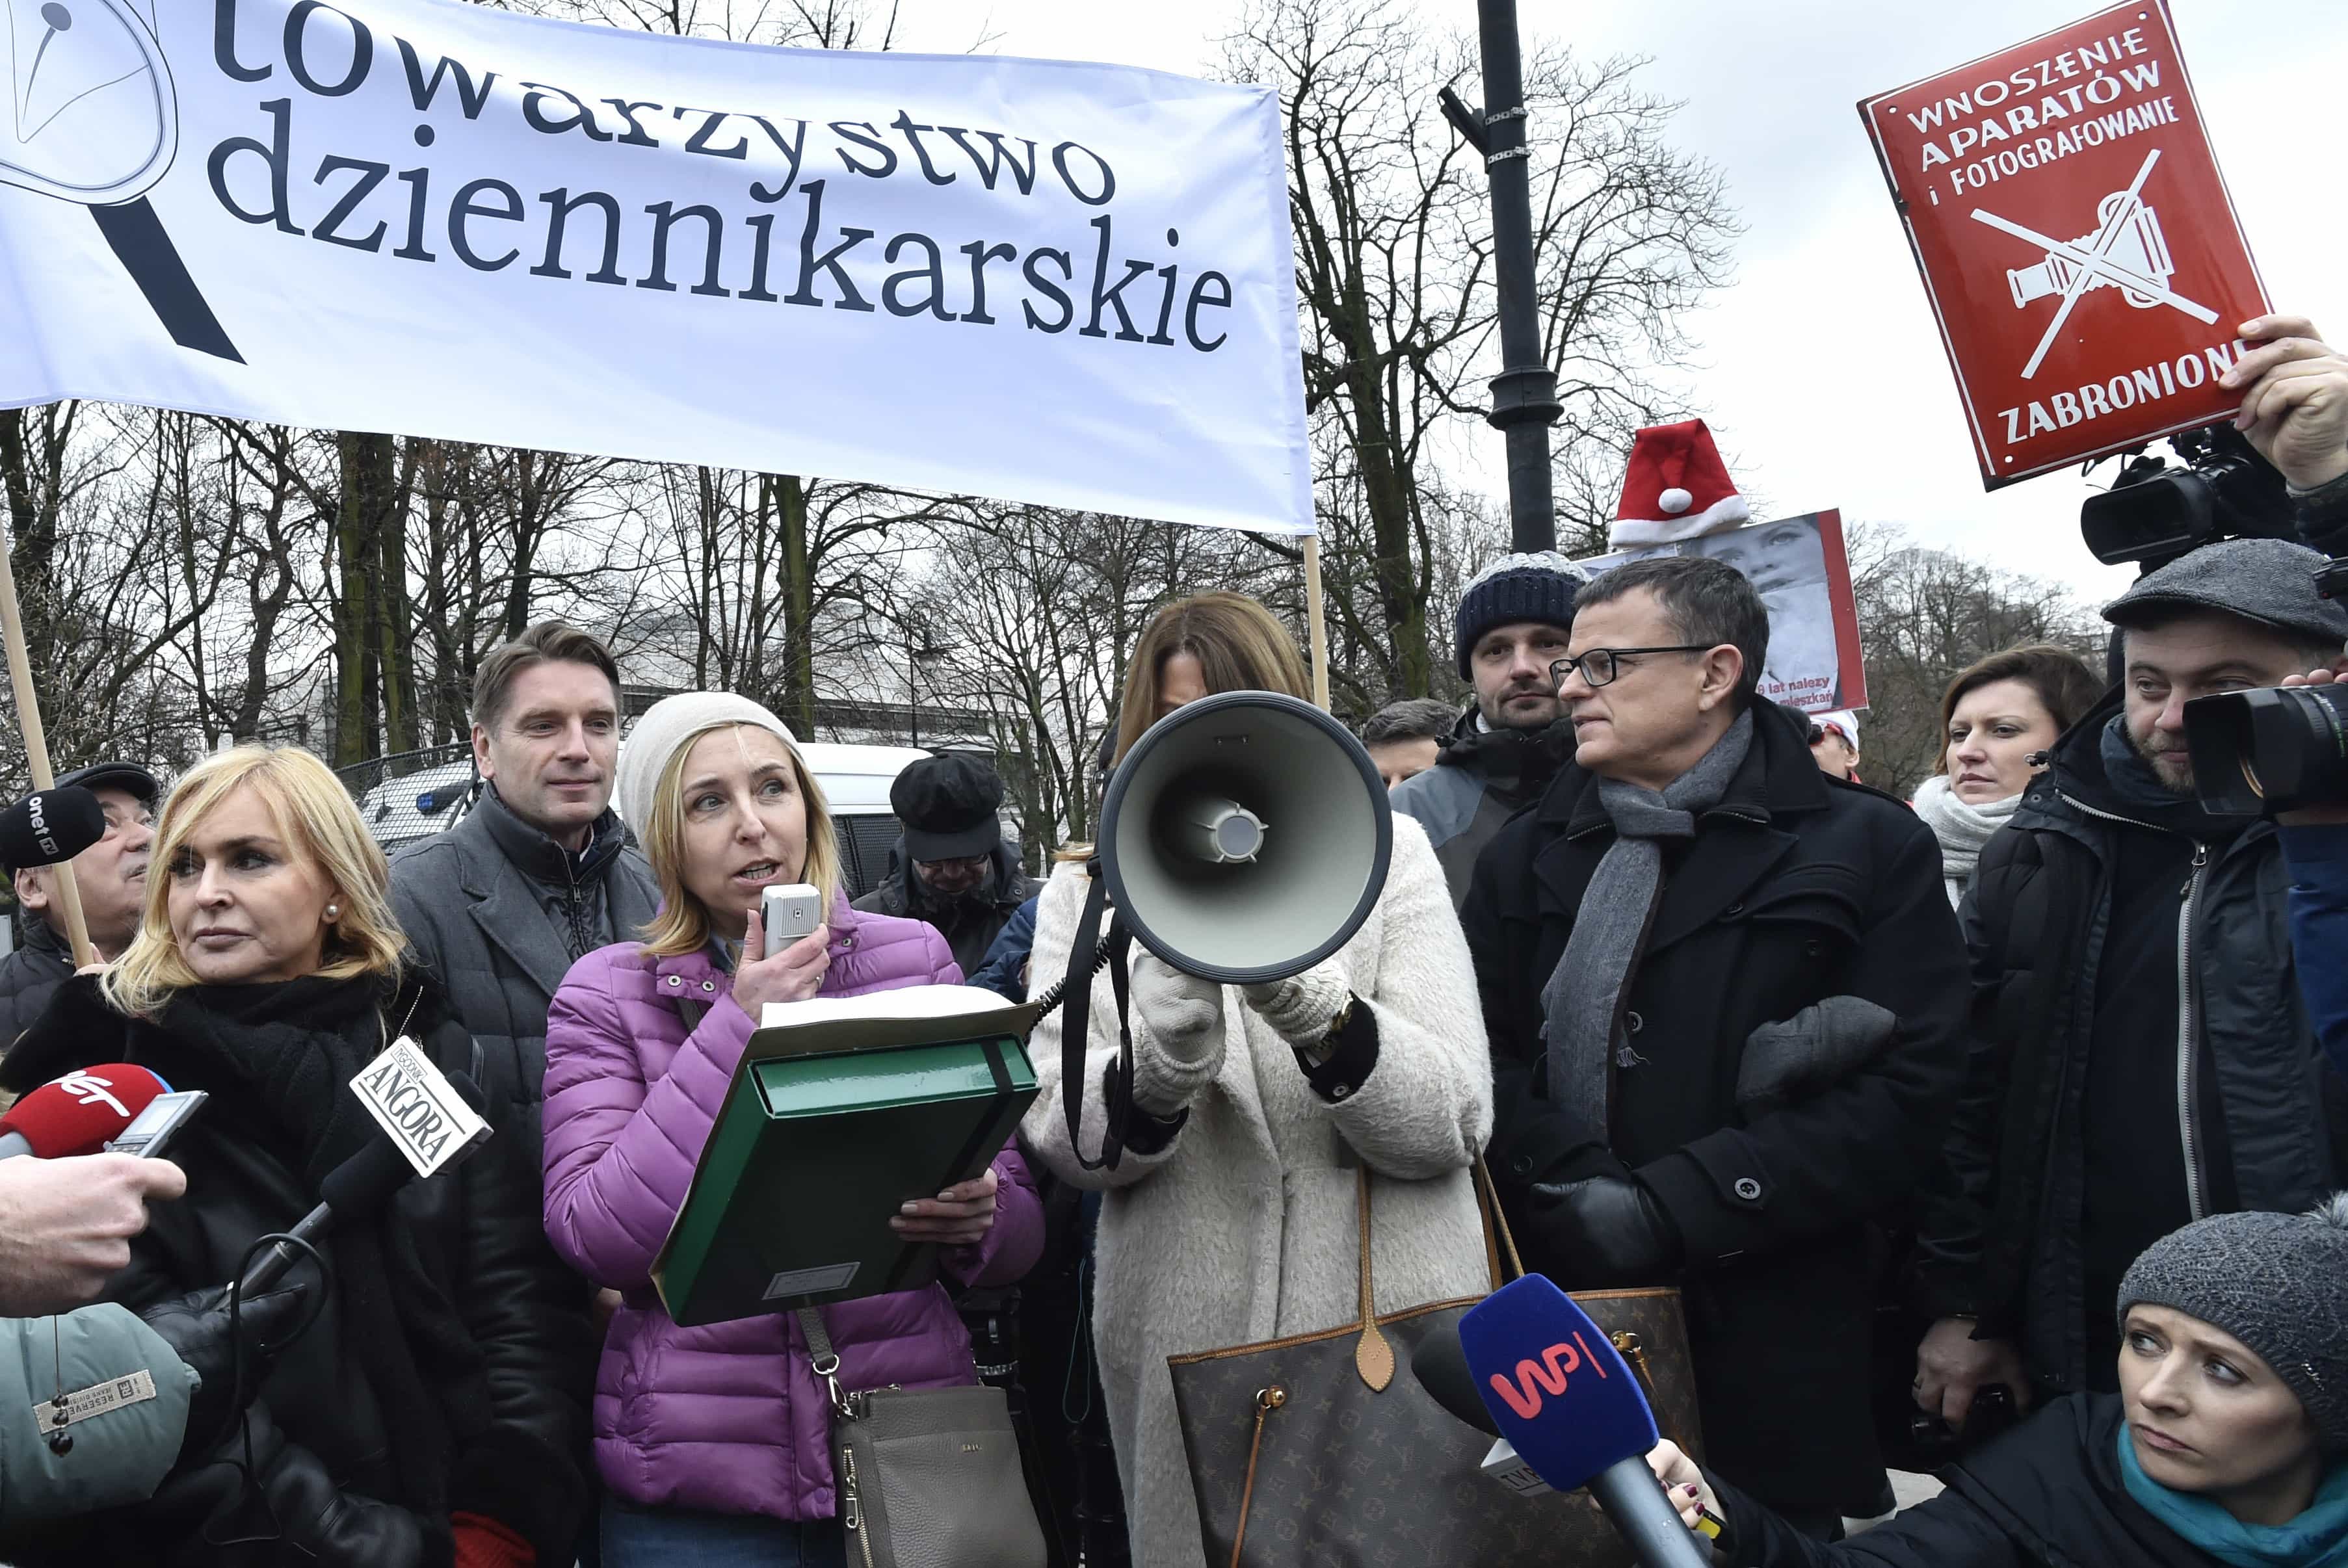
x=1559, y=1390
x=50, y=826
x=79, y=1113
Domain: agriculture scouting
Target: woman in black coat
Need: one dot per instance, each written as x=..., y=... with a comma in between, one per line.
x=425, y=1415
x=2228, y=1442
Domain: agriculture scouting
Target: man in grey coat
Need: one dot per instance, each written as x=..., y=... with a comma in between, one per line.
x=540, y=872
x=1510, y=628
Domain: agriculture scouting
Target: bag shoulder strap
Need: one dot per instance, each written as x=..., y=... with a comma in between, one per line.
x=1500, y=1245
x=824, y=1361
x=1374, y=1358
x=818, y=1337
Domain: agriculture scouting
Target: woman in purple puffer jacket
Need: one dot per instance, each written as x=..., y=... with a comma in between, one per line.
x=714, y=1442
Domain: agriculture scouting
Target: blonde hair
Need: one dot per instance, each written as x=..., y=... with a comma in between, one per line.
x=682, y=925
x=1239, y=645
x=319, y=823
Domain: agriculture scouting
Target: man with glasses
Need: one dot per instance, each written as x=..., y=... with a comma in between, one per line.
x=111, y=877
x=1722, y=992
x=954, y=870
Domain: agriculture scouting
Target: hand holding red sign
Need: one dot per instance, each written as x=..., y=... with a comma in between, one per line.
x=2295, y=410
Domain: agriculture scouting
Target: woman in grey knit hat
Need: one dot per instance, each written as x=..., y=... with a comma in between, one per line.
x=2227, y=1444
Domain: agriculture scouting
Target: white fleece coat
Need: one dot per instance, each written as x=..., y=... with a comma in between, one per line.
x=1244, y=1227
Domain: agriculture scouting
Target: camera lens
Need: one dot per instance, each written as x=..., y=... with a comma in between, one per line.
x=2271, y=750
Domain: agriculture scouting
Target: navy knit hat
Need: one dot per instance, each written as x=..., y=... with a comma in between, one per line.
x=1537, y=588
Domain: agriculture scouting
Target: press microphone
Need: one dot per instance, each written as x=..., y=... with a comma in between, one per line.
x=1440, y=1365
x=50, y=826
x=357, y=1187
x=1554, y=1386
x=79, y=1113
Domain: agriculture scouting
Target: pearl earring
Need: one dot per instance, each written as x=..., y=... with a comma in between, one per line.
x=333, y=911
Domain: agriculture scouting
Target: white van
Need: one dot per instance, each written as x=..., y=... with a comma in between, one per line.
x=856, y=781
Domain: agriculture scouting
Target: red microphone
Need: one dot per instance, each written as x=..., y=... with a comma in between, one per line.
x=79, y=1113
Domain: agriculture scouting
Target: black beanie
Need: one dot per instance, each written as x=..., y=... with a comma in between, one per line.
x=1537, y=588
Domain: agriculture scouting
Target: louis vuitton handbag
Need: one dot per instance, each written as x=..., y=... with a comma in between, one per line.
x=1315, y=1450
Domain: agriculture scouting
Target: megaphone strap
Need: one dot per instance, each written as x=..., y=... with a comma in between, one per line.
x=1086, y=955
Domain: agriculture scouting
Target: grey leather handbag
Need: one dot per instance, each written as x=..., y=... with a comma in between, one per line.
x=929, y=1478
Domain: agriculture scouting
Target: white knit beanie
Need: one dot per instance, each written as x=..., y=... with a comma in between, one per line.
x=665, y=730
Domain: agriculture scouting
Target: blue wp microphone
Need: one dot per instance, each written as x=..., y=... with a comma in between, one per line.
x=1555, y=1388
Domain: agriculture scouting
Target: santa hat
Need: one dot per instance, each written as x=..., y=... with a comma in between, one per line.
x=1676, y=487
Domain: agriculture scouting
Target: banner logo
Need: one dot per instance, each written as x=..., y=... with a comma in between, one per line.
x=94, y=120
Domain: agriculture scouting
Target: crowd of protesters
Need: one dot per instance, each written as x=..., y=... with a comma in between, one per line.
x=2044, y=1067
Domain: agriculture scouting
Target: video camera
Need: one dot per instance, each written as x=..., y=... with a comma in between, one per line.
x=2155, y=514
x=2266, y=751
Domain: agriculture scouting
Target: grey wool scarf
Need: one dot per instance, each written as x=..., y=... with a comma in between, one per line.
x=1583, y=1003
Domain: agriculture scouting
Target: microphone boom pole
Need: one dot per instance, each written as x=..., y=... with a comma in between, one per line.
x=37, y=751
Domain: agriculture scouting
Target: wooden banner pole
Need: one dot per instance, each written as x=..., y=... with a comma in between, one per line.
x=37, y=753
x=1320, y=626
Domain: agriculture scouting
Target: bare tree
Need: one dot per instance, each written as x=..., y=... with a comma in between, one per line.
x=1043, y=608
x=1394, y=276
x=1923, y=616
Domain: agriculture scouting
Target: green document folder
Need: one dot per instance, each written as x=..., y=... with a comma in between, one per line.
x=829, y=1127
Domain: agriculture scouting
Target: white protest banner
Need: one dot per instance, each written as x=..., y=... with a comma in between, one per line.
x=1803, y=572
x=1033, y=279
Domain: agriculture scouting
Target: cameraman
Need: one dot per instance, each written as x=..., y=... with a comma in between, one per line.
x=2316, y=852
x=2296, y=414
x=2137, y=1025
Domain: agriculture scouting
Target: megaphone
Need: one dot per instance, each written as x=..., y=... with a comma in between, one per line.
x=1245, y=838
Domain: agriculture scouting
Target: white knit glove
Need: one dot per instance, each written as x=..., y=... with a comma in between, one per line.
x=1182, y=1016
x=1300, y=1007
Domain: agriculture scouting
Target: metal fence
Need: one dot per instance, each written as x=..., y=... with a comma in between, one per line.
x=414, y=794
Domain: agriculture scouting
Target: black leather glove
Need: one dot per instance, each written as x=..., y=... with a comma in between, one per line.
x=196, y=1327
x=289, y=1510
x=1605, y=1231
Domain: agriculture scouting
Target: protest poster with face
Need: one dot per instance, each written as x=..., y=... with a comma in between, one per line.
x=1802, y=573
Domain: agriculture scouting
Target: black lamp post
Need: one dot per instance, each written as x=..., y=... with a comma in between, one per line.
x=1524, y=394
x=929, y=653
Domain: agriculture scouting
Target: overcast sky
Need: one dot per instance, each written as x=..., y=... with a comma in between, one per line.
x=1820, y=367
